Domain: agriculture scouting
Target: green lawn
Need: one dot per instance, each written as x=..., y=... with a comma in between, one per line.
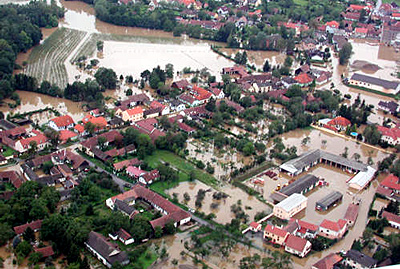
x=301, y=2
x=145, y=263
x=9, y=151
x=182, y=165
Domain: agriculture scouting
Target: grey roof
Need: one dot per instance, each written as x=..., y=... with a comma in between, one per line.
x=300, y=185
x=361, y=258
x=314, y=156
x=29, y=172
x=106, y=249
x=292, y=201
x=330, y=199
x=5, y=124
x=124, y=207
x=375, y=81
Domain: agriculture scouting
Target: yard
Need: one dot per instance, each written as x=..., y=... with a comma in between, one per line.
x=8, y=151
x=182, y=165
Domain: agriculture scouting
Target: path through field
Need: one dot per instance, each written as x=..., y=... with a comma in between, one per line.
x=47, y=60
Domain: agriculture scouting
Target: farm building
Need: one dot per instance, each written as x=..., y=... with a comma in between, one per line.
x=351, y=214
x=290, y=206
x=376, y=84
x=356, y=259
x=309, y=159
x=360, y=180
x=302, y=186
x=329, y=201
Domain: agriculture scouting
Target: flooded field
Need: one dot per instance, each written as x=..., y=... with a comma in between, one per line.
x=33, y=101
x=223, y=213
x=258, y=57
x=130, y=58
x=331, y=143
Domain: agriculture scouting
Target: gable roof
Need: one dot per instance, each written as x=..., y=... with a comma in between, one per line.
x=303, y=78
x=391, y=182
x=333, y=226
x=375, y=81
x=66, y=134
x=341, y=121
x=275, y=230
x=391, y=217
x=13, y=176
x=34, y=225
x=328, y=262
x=351, y=212
x=360, y=258
x=295, y=242
x=39, y=139
x=46, y=251
x=63, y=121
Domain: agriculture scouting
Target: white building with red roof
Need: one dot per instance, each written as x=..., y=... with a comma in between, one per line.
x=391, y=182
x=255, y=226
x=297, y=245
x=305, y=229
x=275, y=235
x=132, y=114
x=149, y=177
x=25, y=144
x=333, y=230
x=339, y=123
x=61, y=123
x=394, y=220
x=390, y=135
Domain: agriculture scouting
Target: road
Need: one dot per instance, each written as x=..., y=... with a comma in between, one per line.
x=378, y=5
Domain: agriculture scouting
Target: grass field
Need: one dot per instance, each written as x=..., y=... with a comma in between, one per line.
x=182, y=165
x=46, y=62
x=301, y=2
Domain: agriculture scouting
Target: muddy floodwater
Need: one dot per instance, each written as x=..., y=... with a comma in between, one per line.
x=222, y=211
x=331, y=143
x=258, y=57
x=34, y=101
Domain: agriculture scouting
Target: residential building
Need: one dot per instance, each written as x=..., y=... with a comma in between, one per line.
x=351, y=214
x=255, y=227
x=394, y=220
x=339, y=123
x=304, y=229
x=25, y=144
x=125, y=237
x=181, y=85
x=329, y=201
x=377, y=84
x=132, y=114
x=290, y=206
x=297, y=245
x=328, y=262
x=358, y=260
x=303, y=79
x=106, y=252
x=391, y=182
x=34, y=225
x=149, y=177
x=333, y=230
x=45, y=251
x=177, y=105
x=389, y=106
x=275, y=235
x=61, y=123
x=390, y=135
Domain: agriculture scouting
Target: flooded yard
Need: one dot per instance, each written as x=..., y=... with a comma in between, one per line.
x=222, y=210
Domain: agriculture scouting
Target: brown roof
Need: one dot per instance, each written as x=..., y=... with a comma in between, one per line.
x=124, y=234
x=46, y=251
x=35, y=225
x=296, y=243
x=126, y=163
x=328, y=262
x=13, y=176
x=63, y=121
x=391, y=217
x=351, y=213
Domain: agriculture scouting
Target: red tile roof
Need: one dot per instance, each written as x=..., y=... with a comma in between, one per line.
x=134, y=171
x=333, y=226
x=384, y=191
x=275, y=230
x=332, y=24
x=35, y=225
x=100, y=122
x=66, y=134
x=391, y=132
x=303, y=78
x=16, y=179
x=79, y=128
x=126, y=163
x=151, y=176
x=46, y=251
x=295, y=242
x=357, y=7
x=328, y=262
x=254, y=225
x=16, y=131
x=39, y=139
x=391, y=182
x=306, y=225
x=156, y=104
x=135, y=111
x=124, y=234
x=360, y=30
x=341, y=121
x=63, y=121
x=391, y=217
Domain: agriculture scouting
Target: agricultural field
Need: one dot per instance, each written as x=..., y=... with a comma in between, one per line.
x=46, y=62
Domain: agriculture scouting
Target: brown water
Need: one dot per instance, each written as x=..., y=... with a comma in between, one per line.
x=32, y=101
x=258, y=57
x=222, y=212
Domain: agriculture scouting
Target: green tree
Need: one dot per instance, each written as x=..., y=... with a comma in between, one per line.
x=29, y=235
x=266, y=66
x=23, y=248
x=34, y=258
x=101, y=142
x=90, y=128
x=106, y=78
x=100, y=45
x=158, y=232
x=47, y=167
x=345, y=53
x=372, y=135
x=6, y=233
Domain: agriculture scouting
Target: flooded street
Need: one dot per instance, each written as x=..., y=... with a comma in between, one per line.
x=222, y=210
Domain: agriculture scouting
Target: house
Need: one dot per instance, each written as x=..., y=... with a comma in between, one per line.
x=303, y=79
x=223, y=11
x=377, y=84
x=134, y=172
x=329, y=201
x=304, y=229
x=361, y=32
x=235, y=70
x=328, y=262
x=90, y=145
x=275, y=235
x=124, y=164
x=149, y=177
x=290, y=206
x=34, y=225
x=170, y=211
x=80, y=129
x=61, y=123
x=45, y=251
x=238, y=108
x=132, y=114
x=394, y=220
x=181, y=85
x=148, y=126
x=255, y=227
x=164, y=110
x=297, y=245
x=391, y=182
x=389, y=106
x=356, y=259
x=390, y=135
x=25, y=144
x=12, y=177
x=188, y=100
x=116, y=122
x=351, y=214
x=176, y=105
x=99, y=122
x=339, y=123
x=106, y=252
x=124, y=237
x=332, y=26
x=217, y=93
x=389, y=32
x=332, y=230
x=66, y=135
x=125, y=208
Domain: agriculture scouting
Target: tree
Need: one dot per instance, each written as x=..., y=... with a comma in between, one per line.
x=345, y=53
x=106, y=77
x=29, y=235
x=372, y=135
x=53, y=136
x=100, y=45
x=47, y=167
x=266, y=67
x=90, y=128
x=393, y=207
x=101, y=142
x=23, y=248
x=169, y=70
x=158, y=232
x=5, y=233
x=35, y=257
x=32, y=147
x=129, y=92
